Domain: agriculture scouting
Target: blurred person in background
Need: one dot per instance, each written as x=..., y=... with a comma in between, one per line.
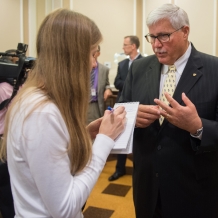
x=6, y=199
x=100, y=89
x=6, y=90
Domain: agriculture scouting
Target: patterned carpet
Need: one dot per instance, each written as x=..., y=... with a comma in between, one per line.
x=112, y=199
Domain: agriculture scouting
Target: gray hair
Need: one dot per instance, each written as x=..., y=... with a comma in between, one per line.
x=176, y=15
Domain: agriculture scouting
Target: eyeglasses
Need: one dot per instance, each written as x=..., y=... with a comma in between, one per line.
x=161, y=37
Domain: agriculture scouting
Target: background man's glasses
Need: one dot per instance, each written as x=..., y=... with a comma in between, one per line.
x=161, y=38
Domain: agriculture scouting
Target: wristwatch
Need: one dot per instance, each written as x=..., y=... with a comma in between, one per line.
x=198, y=134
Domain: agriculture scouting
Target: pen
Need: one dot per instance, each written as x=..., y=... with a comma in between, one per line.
x=110, y=109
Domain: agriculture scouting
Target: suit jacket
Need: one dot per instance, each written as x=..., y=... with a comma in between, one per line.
x=103, y=84
x=122, y=71
x=166, y=159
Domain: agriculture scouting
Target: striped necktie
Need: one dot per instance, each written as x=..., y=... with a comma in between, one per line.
x=92, y=84
x=92, y=78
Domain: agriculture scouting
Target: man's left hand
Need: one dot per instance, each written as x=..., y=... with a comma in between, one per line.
x=185, y=117
x=107, y=93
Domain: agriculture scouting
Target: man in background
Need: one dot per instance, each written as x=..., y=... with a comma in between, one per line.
x=130, y=47
x=100, y=90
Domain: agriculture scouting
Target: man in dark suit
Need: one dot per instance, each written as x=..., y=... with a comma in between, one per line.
x=130, y=47
x=175, y=163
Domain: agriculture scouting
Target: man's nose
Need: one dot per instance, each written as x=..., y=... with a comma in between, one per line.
x=157, y=43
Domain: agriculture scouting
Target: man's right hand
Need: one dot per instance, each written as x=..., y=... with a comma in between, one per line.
x=146, y=115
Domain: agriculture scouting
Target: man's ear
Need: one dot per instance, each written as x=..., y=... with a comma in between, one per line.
x=185, y=30
x=134, y=46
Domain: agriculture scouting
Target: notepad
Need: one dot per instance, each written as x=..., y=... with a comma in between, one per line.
x=124, y=142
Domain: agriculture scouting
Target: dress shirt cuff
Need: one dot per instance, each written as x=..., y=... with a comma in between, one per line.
x=198, y=136
x=108, y=87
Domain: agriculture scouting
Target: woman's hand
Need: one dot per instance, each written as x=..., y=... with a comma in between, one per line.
x=113, y=123
x=93, y=127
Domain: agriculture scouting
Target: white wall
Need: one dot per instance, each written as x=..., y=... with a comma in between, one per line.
x=11, y=24
x=32, y=27
x=202, y=17
x=115, y=20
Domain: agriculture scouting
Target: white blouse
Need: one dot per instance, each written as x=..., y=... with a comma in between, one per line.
x=39, y=166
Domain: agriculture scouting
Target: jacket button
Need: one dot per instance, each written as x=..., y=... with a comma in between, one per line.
x=156, y=174
x=158, y=147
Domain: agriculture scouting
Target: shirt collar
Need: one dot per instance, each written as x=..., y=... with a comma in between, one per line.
x=134, y=57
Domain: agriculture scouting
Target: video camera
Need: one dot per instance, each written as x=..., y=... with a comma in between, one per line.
x=14, y=65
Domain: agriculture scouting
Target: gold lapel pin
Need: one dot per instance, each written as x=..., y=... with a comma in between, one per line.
x=194, y=74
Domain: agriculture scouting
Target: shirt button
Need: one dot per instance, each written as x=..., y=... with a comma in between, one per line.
x=158, y=147
x=156, y=174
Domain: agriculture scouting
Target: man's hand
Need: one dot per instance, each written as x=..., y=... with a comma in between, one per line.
x=107, y=94
x=185, y=117
x=146, y=115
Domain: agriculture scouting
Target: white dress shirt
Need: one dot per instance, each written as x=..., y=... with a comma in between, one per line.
x=131, y=60
x=180, y=65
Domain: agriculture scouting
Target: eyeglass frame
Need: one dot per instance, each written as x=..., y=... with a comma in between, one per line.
x=156, y=37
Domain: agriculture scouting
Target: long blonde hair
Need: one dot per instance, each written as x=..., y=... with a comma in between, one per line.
x=62, y=72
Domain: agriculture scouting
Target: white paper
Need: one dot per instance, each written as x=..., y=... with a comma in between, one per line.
x=123, y=143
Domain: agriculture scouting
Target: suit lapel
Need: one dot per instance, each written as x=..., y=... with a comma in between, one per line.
x=153, y=80
x=190, y=76
x=126, y=67
x=100, y=75
x=139, y=57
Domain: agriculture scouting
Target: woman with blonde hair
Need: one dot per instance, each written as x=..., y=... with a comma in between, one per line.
x=52, y=163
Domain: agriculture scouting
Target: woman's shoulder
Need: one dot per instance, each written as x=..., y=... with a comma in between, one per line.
x=40, y=103
x=35, y=101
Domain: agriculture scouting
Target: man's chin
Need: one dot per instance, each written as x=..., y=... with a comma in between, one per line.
x=164, y=60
